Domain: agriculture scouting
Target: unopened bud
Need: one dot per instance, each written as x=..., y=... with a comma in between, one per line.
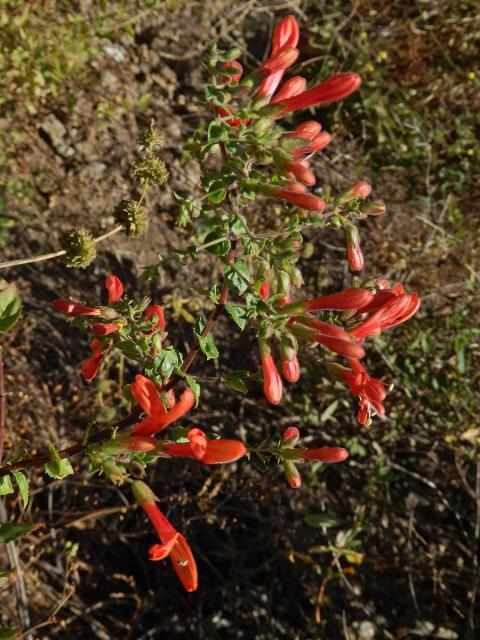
x=292, y=474
x=233, y=54
x=354, y=250
x=361, y=189
x=114, y=472
x=291, y=436
x=376, y=208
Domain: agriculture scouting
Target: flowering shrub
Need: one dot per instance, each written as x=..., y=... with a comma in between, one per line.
x=246, y=154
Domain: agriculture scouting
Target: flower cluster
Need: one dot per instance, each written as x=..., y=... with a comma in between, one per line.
x=261, y=286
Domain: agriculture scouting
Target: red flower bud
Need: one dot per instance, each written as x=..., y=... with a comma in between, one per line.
x=292, y=474
x=114, y=287
x=291, y=436
x=75, y=308
x=376, y=208
x=140, y=443
x=307, y=130
x=301, y=173
x=286, y=34
x=335, y=88
x=355, y=258
x=354, y=250
x=291, y=369
x=361, y=189
x=105, y=329
x=291, y=88
x=317, y=144
x=272, y=383
x=280, y=61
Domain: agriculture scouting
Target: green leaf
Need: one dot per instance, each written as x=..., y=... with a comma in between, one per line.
x=167, y=360
x=217, y=196
x=238, y=314
x=329, y=411
x=207, y=346
x=9, y=634
x=222, y=244
x=215, y=132
x=234, y=380
x=5, y=486
x=10, y=305
x=12, y=530
x=237, y=278
x=57, y=467
x=22, y=482
x=128, y=349
x=194, y=386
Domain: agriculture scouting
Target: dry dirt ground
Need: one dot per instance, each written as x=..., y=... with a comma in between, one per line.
x=410, y=496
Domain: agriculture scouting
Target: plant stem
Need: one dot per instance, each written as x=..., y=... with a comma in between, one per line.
x=55, y=254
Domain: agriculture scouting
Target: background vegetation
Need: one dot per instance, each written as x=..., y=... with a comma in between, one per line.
x=383, y=546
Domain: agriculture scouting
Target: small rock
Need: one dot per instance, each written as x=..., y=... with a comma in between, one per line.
x=366, y=630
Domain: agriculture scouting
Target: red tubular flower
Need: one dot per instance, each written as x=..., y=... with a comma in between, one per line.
x=75, y=308
x=303, y=200
x=286, y=34
x=325, y=454
x=157, y=311
x=335, y=88
x=291, y=87
x=392, y=313
x=114, y=287
x=344, y=346
x=370, y=391
x=91, y=366
x=207, y=451
x=105, y=329
x=173, y=543
x=231, y=77
x=280, y=61
x=145, y=393
x=342, y=301
x=301, y=172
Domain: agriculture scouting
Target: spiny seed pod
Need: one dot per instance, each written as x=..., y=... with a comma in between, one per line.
x=151, y=141
x=79, y=248
x=133, y=218
x=151, y=170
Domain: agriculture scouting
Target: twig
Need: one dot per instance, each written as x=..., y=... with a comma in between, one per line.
x=21, y=592
x=55, y=254
x=3, y=407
